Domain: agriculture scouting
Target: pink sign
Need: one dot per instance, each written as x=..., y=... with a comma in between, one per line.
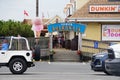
x=111, y=32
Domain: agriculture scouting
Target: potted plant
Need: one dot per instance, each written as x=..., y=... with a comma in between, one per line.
x=79, y=52
x=52, y=52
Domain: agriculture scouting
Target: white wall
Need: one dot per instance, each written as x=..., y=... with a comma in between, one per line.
x=81, y=3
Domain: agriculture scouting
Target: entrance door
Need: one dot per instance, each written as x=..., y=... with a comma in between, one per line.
x=3, y=56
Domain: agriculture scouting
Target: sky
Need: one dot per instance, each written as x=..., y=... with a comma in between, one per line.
x=14, y=9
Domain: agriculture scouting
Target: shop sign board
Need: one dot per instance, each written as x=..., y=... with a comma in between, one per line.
x=104, y=8
x=67, y=27
x=110, y=32
x=96, y=44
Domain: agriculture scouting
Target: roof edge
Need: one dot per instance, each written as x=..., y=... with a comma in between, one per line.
x=94, y=19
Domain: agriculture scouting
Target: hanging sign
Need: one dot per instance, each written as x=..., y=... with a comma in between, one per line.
x=67, y=27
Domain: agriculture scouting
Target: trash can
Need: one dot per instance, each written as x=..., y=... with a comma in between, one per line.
x=67, y=44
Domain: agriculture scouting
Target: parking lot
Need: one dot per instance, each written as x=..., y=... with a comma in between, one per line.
x=57, y=71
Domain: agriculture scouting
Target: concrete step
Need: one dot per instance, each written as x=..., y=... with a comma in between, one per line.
x=65, y=55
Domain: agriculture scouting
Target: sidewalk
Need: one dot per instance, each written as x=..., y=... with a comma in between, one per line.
x=65, y=55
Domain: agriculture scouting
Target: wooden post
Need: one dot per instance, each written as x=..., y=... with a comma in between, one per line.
x=79, y=41
x=51, y=41
x=50, y=46
x=75, y=6
x=80, y=46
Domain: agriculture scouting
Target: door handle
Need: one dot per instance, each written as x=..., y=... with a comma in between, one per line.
x=2, y=52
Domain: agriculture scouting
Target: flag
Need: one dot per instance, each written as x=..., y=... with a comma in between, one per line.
x=69, y=5
x=48, y=14
x=26, y=13
x=65, y=9
x=43, y=15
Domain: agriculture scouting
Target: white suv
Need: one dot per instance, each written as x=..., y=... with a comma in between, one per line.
x=18, y=57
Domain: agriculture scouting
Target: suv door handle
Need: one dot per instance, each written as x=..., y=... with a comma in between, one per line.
x=2, y=52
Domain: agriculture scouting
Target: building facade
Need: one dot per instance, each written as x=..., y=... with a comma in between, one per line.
x=99, y=16
x=102, y=19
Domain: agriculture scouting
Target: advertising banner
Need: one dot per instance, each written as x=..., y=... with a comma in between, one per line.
x=110, y=32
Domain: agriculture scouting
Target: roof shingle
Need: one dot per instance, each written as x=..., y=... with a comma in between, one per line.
x=84, y=11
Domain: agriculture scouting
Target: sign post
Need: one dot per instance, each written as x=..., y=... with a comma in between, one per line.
x=79, y=41
x=50, y=44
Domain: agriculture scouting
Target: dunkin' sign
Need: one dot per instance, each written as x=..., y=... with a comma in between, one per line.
x=104, y=8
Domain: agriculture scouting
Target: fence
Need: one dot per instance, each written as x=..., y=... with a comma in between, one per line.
x=42, y=41
x=89, y=47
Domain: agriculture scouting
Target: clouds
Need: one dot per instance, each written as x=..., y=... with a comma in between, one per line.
x=14, y=9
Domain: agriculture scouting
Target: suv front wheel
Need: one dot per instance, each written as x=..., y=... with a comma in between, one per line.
x=18, y=66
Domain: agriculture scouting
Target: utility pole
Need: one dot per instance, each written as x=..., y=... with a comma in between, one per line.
x=37, y=8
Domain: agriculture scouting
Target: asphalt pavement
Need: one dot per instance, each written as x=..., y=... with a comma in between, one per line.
x=57, y=71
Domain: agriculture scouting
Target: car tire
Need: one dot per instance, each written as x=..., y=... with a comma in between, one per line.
x=18, y=66
x=37, y=53
x=107, y=72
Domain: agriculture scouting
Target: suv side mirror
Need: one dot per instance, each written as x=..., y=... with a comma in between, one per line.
x=111, y=54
